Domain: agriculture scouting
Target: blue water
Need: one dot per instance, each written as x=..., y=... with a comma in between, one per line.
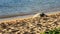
x=10, y=7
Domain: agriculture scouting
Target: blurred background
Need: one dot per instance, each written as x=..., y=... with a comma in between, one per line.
x=17, y=7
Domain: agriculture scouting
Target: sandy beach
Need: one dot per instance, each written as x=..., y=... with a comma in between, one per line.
x=24, y=16
x=30, y=25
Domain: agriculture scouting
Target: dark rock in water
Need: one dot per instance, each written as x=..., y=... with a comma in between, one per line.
x=43, y=14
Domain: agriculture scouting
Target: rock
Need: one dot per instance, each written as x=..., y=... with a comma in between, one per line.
x=42, y=15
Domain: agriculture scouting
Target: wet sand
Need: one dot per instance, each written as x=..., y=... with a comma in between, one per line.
x=31, y=25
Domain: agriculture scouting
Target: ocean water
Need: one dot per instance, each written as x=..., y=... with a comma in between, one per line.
x=13, y=7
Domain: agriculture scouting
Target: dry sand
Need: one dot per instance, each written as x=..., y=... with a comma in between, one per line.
x=30, y=25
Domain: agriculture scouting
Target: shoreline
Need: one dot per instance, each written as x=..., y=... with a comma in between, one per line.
x=24, y=17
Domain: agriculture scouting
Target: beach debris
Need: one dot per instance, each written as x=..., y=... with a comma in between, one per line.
x=43, y=14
